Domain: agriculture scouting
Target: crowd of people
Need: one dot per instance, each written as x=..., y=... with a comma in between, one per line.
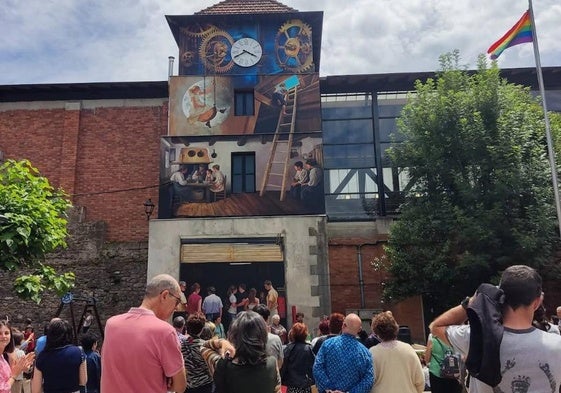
x=501, y=335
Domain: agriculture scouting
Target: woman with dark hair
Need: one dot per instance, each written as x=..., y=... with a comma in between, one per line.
x=396, y=365
x=199, y=380
x=194, y=302
x=243, y=366
x=296, y=371
x=252, y=299
x=61, y=366
x=219, y=327
x=9, y=373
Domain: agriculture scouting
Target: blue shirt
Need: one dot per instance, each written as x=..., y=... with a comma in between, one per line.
x=93, y=361
x=344, y=364
x=60, y=368
x=212, y=304
x=40, y=345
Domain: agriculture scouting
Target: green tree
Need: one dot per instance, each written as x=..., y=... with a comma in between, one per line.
x=482, y=197
x=32, y=224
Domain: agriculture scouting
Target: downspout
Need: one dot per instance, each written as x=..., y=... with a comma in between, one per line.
x=360, y=274
x=170, y=74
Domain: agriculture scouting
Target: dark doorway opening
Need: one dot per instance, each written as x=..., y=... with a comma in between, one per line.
x=223, y=274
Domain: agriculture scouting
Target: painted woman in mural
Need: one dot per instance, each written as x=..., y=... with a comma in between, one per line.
x=199, y=104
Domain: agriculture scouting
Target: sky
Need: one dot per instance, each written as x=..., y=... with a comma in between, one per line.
x=74, y=41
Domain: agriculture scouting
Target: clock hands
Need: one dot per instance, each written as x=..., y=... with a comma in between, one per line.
x=244, y=51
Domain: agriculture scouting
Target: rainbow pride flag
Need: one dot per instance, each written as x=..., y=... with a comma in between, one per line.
x=520, y=33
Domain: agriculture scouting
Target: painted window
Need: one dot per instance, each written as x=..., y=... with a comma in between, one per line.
x=243, y=172
x=244, y=103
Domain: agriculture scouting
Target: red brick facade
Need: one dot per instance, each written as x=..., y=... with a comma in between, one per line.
x=345, y=285
x=91, y=153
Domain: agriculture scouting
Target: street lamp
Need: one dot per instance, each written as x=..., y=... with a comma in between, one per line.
x=148, y=208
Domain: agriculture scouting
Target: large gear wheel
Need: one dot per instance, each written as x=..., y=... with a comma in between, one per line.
x=293, y=45
x=215, y=52
x=198, y=30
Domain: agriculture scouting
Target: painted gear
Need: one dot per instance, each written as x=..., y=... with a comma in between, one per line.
x=293, y=45
x=215, y=51
x=198, y=30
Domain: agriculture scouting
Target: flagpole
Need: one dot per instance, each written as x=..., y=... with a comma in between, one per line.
x=546, y=116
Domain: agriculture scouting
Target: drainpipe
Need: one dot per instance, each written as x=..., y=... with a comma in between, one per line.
x=360, y=274
x=170, y=74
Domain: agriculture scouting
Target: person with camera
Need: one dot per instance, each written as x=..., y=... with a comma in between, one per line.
x=507, y=351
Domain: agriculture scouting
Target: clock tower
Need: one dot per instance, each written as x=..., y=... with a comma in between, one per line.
x=248, y=73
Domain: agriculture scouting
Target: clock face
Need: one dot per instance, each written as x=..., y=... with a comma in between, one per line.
x=246, y=52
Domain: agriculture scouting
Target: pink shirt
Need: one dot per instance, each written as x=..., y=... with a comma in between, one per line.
x=139, y=352
x=5, y=373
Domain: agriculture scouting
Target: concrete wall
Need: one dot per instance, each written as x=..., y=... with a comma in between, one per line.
x=305, y=247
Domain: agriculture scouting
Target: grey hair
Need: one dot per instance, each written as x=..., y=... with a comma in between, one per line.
x=160, y=283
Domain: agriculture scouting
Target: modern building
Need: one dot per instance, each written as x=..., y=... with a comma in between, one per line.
x=249, y=99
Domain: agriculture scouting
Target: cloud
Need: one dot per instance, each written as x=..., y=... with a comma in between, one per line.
x=67, y=41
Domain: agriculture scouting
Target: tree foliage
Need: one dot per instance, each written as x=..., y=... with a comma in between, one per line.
x=482, y=197
x=32, y=224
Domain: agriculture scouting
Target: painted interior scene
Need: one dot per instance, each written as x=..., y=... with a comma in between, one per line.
x=214, y=105
x=255, y=175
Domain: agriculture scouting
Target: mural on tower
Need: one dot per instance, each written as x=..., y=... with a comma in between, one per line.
x=237, y=44
x=209, y=105
x=252, y=175
x=244, y=136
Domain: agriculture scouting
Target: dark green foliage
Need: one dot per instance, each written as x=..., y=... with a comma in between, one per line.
x=483, y=196
x=32, y=224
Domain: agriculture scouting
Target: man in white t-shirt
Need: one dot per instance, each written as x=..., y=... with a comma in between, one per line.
x=530, y=359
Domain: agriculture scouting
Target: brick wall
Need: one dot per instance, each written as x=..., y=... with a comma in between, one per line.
x=106, y=158
x=345, y=286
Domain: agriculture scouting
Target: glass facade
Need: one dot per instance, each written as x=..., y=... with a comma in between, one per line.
x=358, y=129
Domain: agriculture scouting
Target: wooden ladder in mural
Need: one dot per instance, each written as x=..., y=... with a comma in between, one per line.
x=279, y=159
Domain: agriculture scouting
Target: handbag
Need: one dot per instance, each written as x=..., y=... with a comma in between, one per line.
x=450, y=367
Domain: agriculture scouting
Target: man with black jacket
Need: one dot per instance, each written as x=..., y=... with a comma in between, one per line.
x=528, y=359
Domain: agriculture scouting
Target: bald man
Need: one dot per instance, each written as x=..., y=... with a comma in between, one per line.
x=141, y=352
x=343, y=364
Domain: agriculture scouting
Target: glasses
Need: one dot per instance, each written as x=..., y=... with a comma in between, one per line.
x=177, y=298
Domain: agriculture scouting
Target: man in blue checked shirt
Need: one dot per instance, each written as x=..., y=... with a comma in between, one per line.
x=343, y=364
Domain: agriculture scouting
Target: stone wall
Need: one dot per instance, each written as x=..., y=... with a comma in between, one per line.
x=112, y=273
